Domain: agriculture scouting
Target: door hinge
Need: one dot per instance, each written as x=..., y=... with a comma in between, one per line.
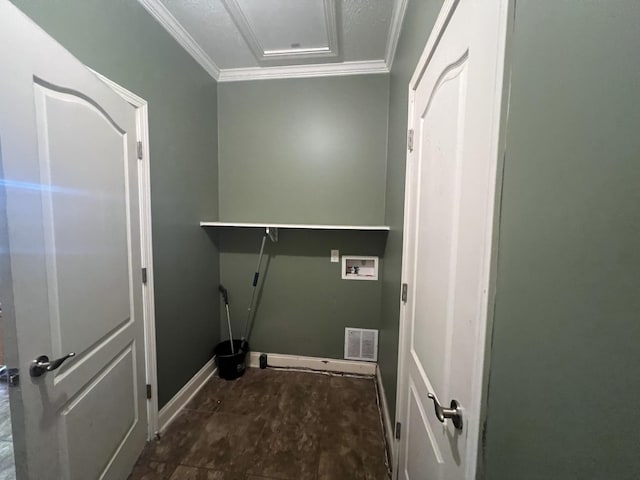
x=144, y=275
x=12, y=376
x=148, y=391
x=139, y=150
x=398, y=430
x=405, y=288
x=410, y=140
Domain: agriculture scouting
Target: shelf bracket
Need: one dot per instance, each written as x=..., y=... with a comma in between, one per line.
x=273, y=234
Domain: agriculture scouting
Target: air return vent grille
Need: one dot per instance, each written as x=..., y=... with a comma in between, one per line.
x=361, y=344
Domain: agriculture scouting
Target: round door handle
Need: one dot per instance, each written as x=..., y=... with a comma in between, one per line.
x=42, y=364
x=454, y=412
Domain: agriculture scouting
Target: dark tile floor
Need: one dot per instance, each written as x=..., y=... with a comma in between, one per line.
x=7, y=464
x=273, y=424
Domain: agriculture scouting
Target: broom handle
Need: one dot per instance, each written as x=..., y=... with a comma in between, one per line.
x=256, y=275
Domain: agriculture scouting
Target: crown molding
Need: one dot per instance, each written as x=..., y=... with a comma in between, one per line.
x=332, y=26
x=397, y=16
x=177, y=31
x=303, y=71
x=164, y=17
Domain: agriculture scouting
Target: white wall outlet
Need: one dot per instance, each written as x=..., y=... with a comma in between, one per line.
x=335, y=256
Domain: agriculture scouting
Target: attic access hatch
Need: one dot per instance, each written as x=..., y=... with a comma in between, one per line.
x=285, y=29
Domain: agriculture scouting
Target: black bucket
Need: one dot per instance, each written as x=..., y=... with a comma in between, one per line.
x=231, y=365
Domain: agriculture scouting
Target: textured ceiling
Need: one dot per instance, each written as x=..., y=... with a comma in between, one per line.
x=362, y=32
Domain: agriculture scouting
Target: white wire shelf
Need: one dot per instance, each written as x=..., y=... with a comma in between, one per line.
x=296, y=226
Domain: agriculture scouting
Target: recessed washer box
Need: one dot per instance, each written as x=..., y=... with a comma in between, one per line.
x=356, y=267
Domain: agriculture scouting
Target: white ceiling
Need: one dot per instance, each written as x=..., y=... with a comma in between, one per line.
x=252, y=39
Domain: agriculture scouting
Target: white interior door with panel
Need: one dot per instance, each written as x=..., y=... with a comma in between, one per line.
x=71, y=257
x=455, y=100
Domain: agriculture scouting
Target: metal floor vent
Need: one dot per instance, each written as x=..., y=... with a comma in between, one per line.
x=360, y=344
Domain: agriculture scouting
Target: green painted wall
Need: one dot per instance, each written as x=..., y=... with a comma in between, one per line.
x=309, y=150
x=123, y=42
x=418, y=22
x=565, y=370
x=304, y=151
x=302, y=303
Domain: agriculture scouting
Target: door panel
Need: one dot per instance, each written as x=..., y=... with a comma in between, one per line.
x=72, y=251
x=437, y=225
x=422, y=453
x=115, y=420
x=454, y=112
x=92, y=192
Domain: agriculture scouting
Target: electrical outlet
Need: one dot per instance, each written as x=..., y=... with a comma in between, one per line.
x=335, y=256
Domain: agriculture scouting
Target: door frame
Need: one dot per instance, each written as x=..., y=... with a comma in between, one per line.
x=148, y=296
x=485, y=325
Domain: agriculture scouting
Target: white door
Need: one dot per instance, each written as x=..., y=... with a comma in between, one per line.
x=70, y=260
x=455, y=99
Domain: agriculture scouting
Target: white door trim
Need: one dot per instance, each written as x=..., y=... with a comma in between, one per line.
x=490, y=260
x=148, y=302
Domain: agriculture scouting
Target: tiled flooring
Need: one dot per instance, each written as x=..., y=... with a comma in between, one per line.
x=273, y=424
x=7, y=464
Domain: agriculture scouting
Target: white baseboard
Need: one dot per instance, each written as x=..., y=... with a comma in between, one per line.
x=314, y=363
x=386, y=417
x=170, y=411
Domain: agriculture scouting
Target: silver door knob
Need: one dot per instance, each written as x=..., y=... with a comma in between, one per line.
x=42, y=364
x=454, y=412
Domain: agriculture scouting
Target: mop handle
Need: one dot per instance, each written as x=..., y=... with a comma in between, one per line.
x=256, y=275
x=225, y=295
x=233, y=350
